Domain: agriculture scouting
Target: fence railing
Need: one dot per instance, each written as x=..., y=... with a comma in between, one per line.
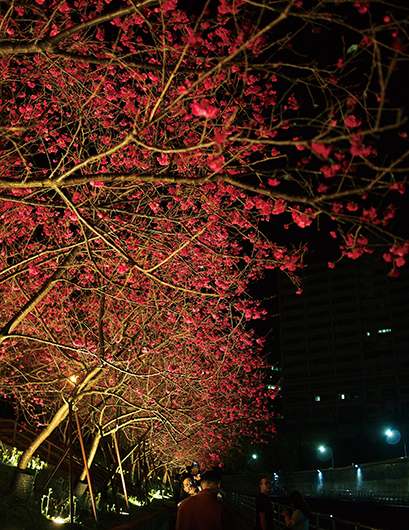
x=401, y=498
x=20, y=436
x=16, y=435
x=246, y=506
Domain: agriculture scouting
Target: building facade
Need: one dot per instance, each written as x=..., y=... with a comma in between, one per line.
x=344, y=346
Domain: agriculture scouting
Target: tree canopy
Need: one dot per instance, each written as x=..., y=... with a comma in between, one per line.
x=150, y=153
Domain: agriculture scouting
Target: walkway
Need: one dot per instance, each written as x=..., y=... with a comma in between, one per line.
x=160, y=515
x=242, y=524
x=156, y=516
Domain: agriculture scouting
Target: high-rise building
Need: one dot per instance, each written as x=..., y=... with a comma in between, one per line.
x=344, y=346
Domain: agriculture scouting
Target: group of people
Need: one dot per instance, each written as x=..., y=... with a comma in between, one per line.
x=202, y=510
x=187, y=484
x=200, y=506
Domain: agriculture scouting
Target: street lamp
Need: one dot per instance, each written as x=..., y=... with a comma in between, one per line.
x=393, y=436
x=325, y=453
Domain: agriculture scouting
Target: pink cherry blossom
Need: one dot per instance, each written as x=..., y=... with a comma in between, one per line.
x=163, y=159
x=203, y=108
x=321, y=149
x=352, y=121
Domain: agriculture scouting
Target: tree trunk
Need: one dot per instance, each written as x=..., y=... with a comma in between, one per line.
x=60, y=415
x=91, y=378
x=91, y=455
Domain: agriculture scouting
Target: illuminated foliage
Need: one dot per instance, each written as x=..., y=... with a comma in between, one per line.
x=144, y=150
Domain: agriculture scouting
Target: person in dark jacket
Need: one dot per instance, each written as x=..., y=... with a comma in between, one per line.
x=204, y=511
x=264, y=509
x=179, y=493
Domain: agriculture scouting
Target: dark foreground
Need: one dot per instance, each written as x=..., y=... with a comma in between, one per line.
x=387, y=517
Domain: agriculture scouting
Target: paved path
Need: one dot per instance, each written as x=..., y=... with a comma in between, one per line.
x=241, y=523
x=158, y=516
x=155, y=516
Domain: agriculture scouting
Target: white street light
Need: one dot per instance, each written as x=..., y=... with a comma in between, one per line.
x=325, y=453
x=393, y=436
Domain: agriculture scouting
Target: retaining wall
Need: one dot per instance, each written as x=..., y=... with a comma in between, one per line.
x=377, y=478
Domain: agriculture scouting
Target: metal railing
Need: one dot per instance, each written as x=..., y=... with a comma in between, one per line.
x=51, y=450
x=400, y=498
x=246, y=506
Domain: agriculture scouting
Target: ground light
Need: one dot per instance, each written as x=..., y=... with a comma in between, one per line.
x=60, y=520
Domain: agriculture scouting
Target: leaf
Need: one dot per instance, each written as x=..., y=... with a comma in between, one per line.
x=352, y=48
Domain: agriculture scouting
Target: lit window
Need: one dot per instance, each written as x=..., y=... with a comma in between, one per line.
x=386, y=330
x=368, y=333
x=342, y=396
x=317, y=398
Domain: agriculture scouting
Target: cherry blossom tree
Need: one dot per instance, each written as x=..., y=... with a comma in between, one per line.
x=150, y=152
x=177, y=372
x=123, y=344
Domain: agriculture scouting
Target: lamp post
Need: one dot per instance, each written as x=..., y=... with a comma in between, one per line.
x=325, y=453
x=393, y=436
